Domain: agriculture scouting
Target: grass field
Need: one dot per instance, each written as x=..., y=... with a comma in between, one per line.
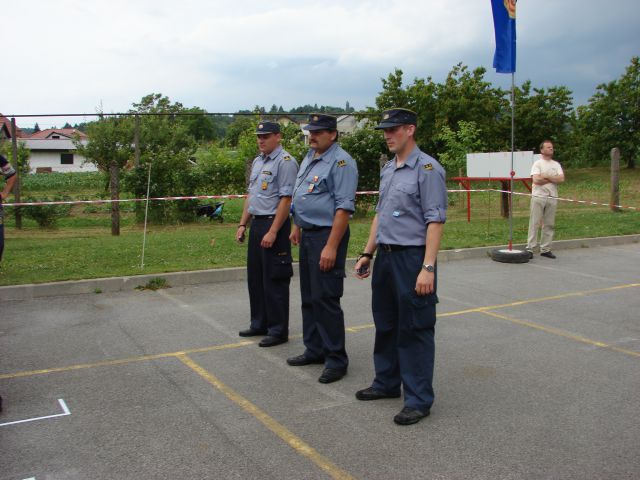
x=82, y=247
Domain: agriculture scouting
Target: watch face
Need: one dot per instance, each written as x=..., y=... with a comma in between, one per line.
x=428, y=268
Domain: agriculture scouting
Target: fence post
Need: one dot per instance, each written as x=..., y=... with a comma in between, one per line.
x=136, y=142
x=16, y=187
x=615, y=179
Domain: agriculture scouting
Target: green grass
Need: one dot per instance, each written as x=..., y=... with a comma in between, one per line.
x=82, y=247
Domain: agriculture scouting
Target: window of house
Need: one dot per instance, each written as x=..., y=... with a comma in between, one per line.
x=66, y=158
x=56, y=137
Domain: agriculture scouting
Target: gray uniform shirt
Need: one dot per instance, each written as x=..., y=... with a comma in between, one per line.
x=411, y=197
x=272, y=176
x=7, y=171
x=324, y=185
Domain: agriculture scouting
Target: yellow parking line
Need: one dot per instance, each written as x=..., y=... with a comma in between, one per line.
x=563, y=333
x=353, y=329
x=122, y=361
x=295, y=442
x=538, y=300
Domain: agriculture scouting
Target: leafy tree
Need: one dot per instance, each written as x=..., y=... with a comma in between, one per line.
x=109, y=148
x=67, y=125
x=201, y=126
x=467, y=139
x=241, y=123
x=36, y=128
x=612, y=118
x=366, y=145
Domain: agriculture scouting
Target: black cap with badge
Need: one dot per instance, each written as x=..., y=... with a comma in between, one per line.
x=266, y=127
x=320, y=121
x=397, y=116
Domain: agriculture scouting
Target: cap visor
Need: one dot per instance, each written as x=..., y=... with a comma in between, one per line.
x=384, y=125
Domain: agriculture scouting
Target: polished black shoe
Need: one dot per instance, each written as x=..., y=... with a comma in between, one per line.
x=330, y=375
x=530, y=253
x=251, y=332
x=547, y=254
x=272, y=341
x=409, y=416
x=301, y=360
x=373, y=394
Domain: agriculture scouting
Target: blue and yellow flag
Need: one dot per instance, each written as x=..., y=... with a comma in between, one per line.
x=504, y=22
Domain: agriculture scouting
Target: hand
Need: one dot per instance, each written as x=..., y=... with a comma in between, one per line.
x=425, y=282
x=267, y=240
x=240, y=234
x=295, y=235
x=4, y=196
x=364, y=262
x=327, y=258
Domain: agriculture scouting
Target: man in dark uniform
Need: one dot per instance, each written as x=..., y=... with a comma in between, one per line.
x=269, y=270
x=323, y=201
x=9, y=175
x=406, y=232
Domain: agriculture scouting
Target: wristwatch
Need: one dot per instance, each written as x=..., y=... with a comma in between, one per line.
x=428, y=268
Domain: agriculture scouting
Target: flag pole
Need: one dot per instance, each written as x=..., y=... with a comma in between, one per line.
x=511, y=172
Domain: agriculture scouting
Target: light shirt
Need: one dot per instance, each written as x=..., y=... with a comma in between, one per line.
x=272, y=177
x=547, y=167
x=324, y=185
x=411, y=197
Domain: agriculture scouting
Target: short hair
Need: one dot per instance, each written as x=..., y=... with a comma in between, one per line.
x=546, y=140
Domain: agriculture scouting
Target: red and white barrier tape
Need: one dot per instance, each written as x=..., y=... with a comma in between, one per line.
x=215, y=197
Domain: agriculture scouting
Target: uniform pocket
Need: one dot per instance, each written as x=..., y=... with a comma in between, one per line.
x=282, y=267
x=332, y=283
x=422, y=310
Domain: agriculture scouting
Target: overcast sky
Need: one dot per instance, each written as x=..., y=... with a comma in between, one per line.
x=72, y=56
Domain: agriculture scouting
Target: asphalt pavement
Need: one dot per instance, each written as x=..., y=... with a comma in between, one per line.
x=537, y=376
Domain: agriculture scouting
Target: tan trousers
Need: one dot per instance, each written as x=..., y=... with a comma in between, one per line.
x=543, y=213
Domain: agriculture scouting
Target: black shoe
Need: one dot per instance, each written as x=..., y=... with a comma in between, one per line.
x=409, y=416
x=547, y=254
x=373, y=394
x=272, y=341
x=301, y=360
x=251, y=332
x=330, y=375
x=530, y=253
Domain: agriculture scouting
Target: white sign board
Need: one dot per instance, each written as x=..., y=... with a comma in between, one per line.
x=498, y=164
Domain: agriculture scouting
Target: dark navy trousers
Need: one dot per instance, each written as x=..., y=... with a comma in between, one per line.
x=404, y=344
x=322, y=315
x=1, y=237
x=269, y=273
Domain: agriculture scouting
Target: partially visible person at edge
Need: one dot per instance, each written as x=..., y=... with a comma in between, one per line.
x=323, y=201
x=546, y=174
x=9, y=175
x=406, y=232
x=269, y=270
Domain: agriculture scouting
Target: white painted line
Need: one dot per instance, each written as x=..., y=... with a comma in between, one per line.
x=30, y=478
x=65, y=409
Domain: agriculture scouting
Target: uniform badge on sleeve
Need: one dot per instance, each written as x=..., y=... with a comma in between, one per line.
x=342, y=163
x=286, y=158
x=428, y=166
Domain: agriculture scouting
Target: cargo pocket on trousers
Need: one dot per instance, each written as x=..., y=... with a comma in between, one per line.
x=282, y=268
x=332, y=283
x=422, y=309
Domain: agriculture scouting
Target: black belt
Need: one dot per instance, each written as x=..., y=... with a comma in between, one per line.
x=261, y=217
x=314, y=227
x=394, y=248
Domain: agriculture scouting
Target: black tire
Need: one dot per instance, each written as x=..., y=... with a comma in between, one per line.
x=505, y=255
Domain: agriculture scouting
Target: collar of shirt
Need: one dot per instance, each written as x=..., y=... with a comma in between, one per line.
x=411, y=160
x=326, y=155
x=273, y=155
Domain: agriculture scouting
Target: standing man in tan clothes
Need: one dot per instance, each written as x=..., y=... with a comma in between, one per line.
x=546, y=174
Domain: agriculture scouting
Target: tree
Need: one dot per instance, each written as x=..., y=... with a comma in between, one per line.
x=612, y=118
x=167, y=145
x=200, y=125
x=366, y=145
x=240, y=124
x=109, y=148
x=36, y=128
x=6, y=149
x=467, y=139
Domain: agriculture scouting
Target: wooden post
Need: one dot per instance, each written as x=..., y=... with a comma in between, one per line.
x=505, y=198
x=136, y=142
x=615, y=179
x=115, y=206
x=16, y=187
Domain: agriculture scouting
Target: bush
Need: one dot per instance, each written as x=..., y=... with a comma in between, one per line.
x=46, y=216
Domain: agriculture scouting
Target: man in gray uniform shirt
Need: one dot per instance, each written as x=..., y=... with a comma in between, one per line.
x=323, y=201
x=269, y=270
x=406, y=232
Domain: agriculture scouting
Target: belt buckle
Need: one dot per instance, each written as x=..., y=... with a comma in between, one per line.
x=386, y=247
